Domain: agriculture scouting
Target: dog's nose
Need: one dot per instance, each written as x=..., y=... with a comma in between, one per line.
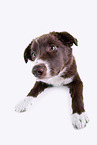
x=39, y=71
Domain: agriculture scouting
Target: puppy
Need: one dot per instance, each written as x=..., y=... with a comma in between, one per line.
x=55, y=66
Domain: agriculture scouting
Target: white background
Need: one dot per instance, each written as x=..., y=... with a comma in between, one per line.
x=48, y=122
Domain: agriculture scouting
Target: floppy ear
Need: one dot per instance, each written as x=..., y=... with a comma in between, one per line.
x=66, y=38
x=27, y=53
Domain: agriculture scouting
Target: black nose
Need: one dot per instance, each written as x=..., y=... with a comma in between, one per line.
x=39, y=71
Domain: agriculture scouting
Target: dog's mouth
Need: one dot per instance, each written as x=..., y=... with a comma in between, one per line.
x=39, y=71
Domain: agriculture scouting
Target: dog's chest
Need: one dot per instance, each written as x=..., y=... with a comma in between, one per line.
x=58, y=81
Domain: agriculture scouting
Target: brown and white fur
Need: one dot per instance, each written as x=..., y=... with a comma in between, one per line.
x=55, y=66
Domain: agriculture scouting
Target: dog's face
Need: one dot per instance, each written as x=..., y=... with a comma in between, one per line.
x=51, y=53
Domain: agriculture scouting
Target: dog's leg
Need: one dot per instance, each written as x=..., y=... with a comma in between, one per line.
x=27, y=102
x=79, y=117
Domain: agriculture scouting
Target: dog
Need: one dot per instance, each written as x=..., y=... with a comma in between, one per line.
x=55, y=65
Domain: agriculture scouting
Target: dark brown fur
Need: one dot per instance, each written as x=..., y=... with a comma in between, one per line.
x=38, y=88
x=58, y=60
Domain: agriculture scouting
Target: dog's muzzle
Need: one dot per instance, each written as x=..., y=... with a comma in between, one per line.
x=39, y=71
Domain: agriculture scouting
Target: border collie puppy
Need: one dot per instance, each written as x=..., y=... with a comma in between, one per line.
x=55, y=66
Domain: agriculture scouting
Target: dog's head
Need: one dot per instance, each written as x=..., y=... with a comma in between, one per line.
x=51, y=53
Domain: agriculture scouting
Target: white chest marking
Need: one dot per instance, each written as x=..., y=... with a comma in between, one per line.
x=57, y=81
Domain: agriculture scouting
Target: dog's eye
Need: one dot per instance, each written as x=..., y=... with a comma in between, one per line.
x=33, y=55
x=51, y=48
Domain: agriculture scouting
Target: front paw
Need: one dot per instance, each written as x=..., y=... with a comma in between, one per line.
x=24, y=104
x=79, y=121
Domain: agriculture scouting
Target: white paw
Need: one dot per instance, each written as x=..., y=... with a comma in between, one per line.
x=79, y=121
x=24, y=104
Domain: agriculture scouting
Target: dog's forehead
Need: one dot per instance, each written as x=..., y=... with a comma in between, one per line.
x=46, y=39
x=39, y=41
x=42, y=42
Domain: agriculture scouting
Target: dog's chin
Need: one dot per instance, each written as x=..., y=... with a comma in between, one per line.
x=46, y=77
x=40, y=77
